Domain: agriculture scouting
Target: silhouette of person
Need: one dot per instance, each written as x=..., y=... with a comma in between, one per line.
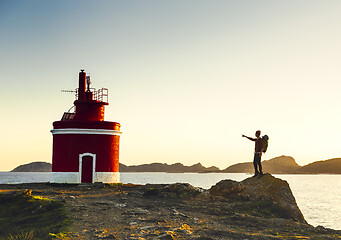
x=259, y=146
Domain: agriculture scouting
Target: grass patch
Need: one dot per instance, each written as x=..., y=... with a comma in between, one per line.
x=30, y=217
x=113, y=185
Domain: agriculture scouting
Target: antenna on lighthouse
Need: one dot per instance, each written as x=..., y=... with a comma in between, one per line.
x=88, y=82
x=68, y=91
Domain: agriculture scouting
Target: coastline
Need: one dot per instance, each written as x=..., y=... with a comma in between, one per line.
x=278, y=165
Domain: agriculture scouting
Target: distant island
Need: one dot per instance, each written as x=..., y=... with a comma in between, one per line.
x=277, y=165
x=331, y=166
x=288, y=165
x=153, y=167
x=34, y=167
x=164, y=167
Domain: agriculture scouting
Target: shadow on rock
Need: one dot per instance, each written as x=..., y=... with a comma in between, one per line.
x=176, y=190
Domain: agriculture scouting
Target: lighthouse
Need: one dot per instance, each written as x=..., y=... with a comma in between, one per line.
x=85, y=147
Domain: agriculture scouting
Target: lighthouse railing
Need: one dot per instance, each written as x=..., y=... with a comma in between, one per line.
x=100, y=95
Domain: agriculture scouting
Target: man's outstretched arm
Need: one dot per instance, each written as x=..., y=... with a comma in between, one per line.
x=250, y=138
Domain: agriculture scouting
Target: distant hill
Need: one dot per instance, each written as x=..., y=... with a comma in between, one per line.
x=331, y=166
x=153, y=167
x=34, y=167
x=281, y=164
x=164, y=167
x=277, y=165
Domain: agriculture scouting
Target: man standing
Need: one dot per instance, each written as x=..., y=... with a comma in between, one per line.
x=259, y=146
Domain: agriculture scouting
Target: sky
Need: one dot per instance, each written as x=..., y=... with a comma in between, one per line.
x=186, y=78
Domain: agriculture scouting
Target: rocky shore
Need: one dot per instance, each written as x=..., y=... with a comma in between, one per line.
x=256, y=208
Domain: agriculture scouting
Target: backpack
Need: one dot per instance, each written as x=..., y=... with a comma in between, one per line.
x=265, y=139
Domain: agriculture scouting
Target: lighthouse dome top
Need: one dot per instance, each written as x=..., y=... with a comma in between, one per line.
x=89, y=103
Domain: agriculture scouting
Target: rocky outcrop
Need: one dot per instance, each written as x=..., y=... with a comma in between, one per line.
x=229, y=189
x=34, y=167
x=122, y=211
x=265, y=194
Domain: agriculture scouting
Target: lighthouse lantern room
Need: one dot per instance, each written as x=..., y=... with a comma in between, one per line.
x=85, y=147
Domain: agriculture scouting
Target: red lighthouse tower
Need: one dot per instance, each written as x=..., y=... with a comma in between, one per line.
x=85, y=147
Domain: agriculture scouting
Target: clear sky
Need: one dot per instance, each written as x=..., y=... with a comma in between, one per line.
x=185, y=78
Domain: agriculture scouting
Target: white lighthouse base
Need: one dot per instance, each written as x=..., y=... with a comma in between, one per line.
x=107, y=177
x=75, y=177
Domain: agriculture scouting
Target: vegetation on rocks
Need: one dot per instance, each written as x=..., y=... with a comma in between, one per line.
x=23, y=216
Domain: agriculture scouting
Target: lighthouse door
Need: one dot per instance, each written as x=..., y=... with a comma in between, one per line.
x=87, y=163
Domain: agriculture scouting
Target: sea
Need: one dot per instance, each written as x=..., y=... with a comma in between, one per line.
x=318, y=196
